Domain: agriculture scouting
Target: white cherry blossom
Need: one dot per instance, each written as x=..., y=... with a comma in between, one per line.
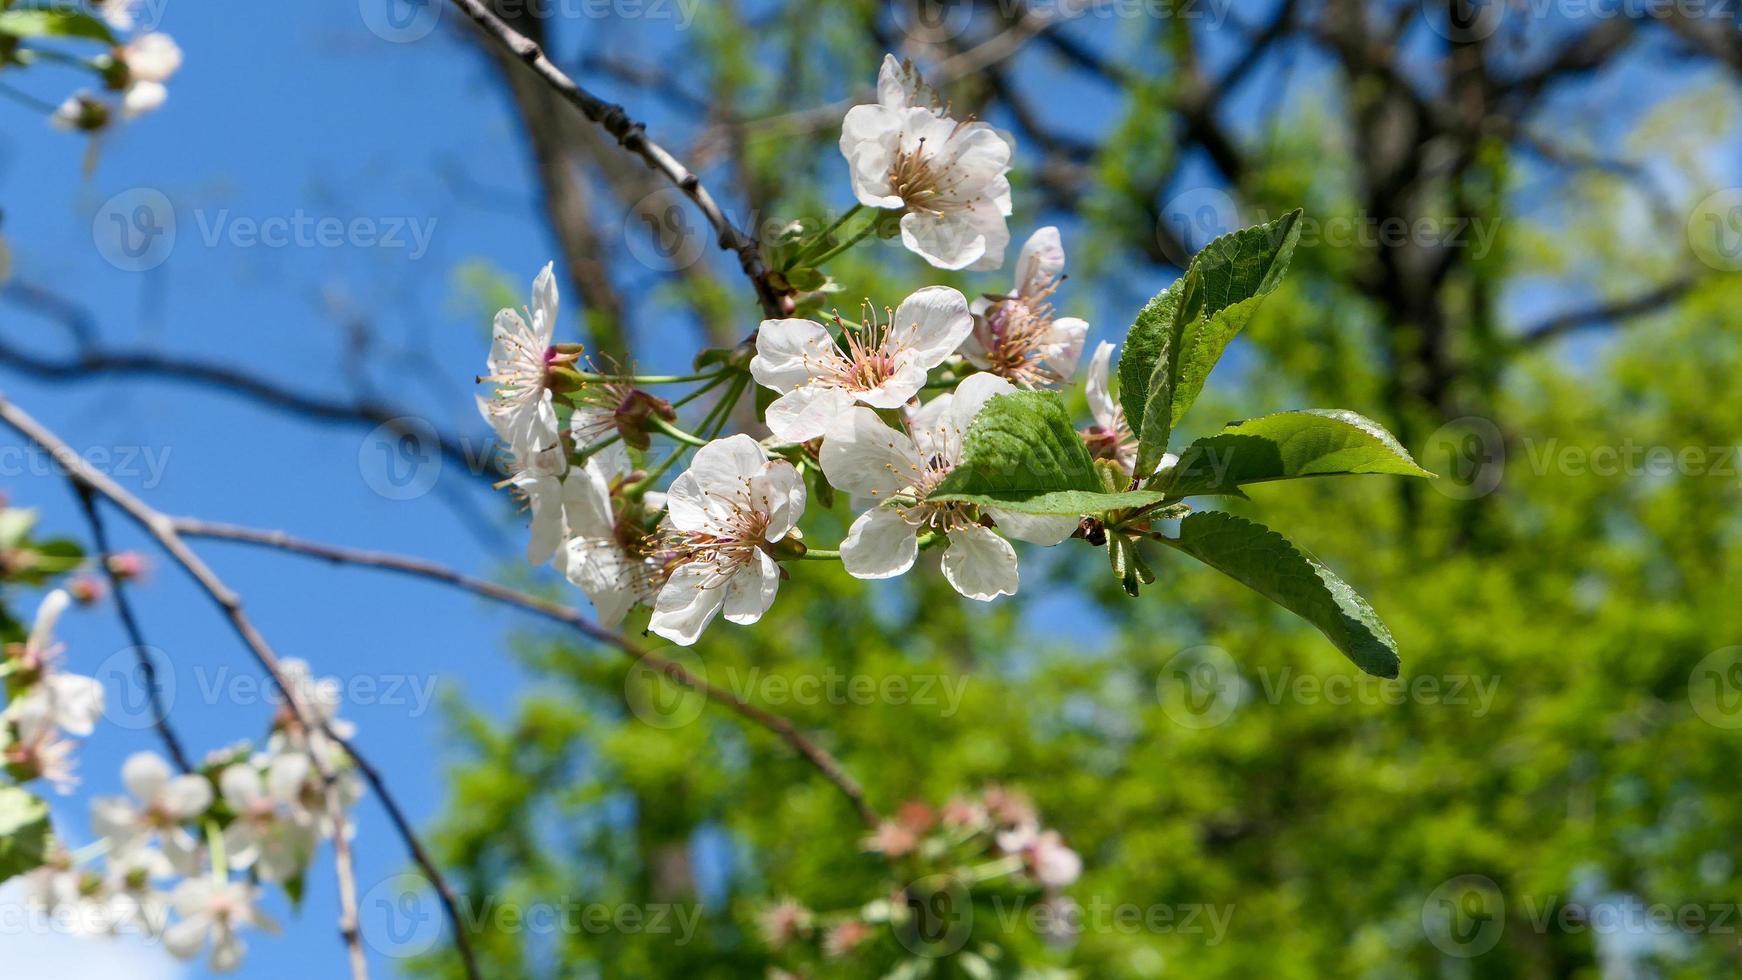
x=1111, y=436
x=721, y=514
x=947, y=176
x=273, y=832
x=214, y=912
x=521, y=356
x=37, y=750
x=896, y=471
x=1019, y=336
x=602, y=556
x=71, y=701
x=1044, y=854
x=150, y=59
x=161, y=804
x=882, y=365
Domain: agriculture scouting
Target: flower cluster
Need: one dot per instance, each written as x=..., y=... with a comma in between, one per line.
x=133, y=74
x=851, y=409
x=944, y=857
x=184, y=857
x=45, y=703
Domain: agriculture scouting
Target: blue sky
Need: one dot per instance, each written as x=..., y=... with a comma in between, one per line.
x=298, y=115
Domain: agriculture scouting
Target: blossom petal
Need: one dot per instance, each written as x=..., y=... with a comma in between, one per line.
x=145, y=774
x=971, y=396
x=186, y=797
x=900, y=387
x=783, y=490
x=241, y=786
x=1068, y=336
x=544, y=303
x=686, y=605
x=607, y=575
x=879, y=545
x=1042, y=260
x=716, y=483
x=803, y=414
x=1100, y=394
x=948, y=241
x=867, y=458
x=790, y=352
x=980, y=564
x=752, y=589
x=932, y=323
x=1042, y=529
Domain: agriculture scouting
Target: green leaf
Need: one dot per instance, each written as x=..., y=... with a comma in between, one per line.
x=1270, y=565
x=1286, y=446
x=1022, y=454
x=54, y=23
x=1181, y=333
x=24, y=832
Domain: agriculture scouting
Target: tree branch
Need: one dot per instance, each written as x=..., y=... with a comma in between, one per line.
x=161, y=528
x=631, y=135
x=1650, y=301
x=124, y=607
x=819, y=757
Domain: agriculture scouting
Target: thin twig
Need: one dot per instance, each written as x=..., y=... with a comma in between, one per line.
x=129, y=622
x=816, y=755
x=163, y=529
x=346, y=871
x=632, y=136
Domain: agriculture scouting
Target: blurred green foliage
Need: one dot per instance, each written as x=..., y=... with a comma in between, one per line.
x=1563, y=727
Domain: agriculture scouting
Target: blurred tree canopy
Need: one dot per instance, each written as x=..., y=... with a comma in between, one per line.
x=1539, y=331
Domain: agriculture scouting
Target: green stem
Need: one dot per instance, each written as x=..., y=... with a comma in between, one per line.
x=220, y=863
x=848, y=243
x=718, y=380
x=46, y=108
x=675, y=432
x=647, y=379
x=820, y=554
x=823, y=236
